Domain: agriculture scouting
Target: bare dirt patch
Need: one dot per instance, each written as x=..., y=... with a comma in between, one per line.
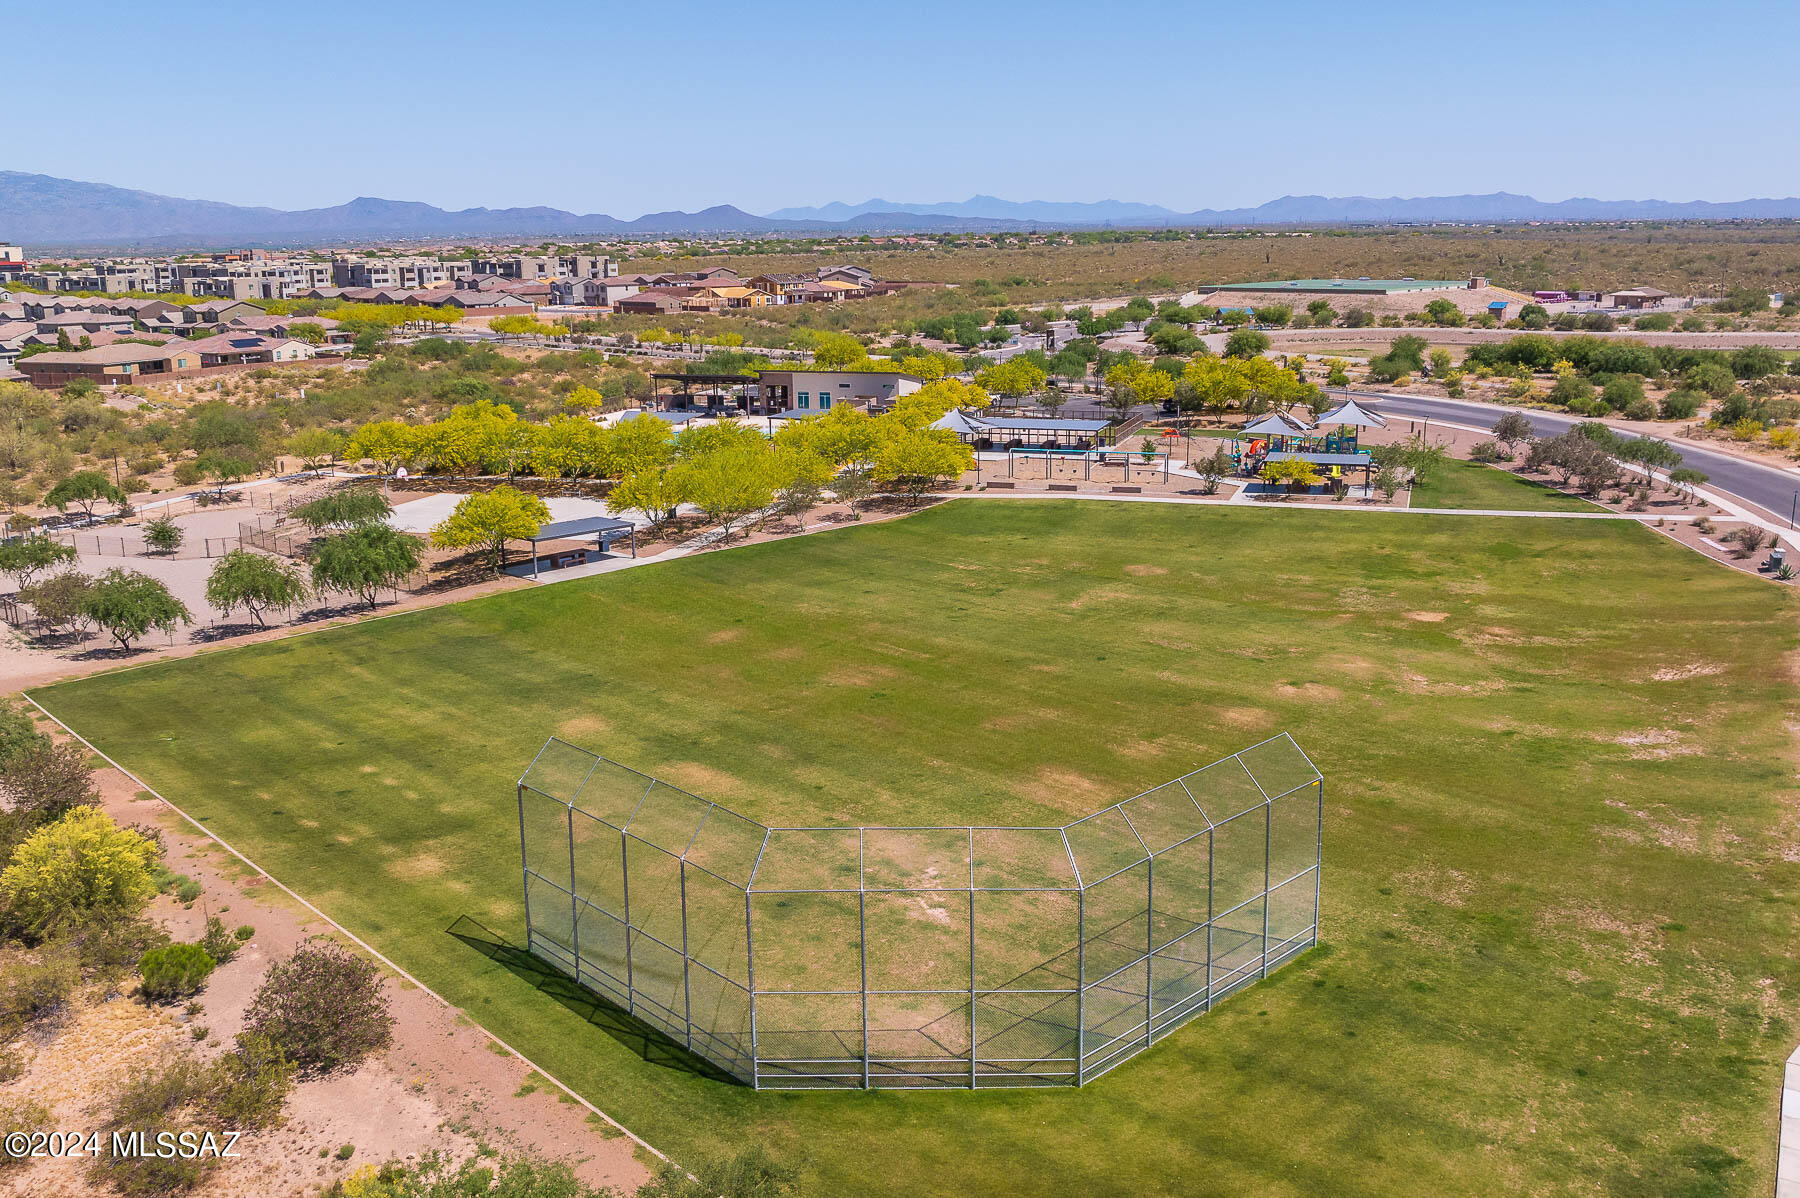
x=1146, y=571
x=702, y=780
x=864, y=675
x=1428, y=617
x=1692, y=669
x=584, y=727
x=725, y=636
x=1311, y=691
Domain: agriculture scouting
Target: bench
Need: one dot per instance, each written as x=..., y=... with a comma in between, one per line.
x=1128, y=490
x=1063, y=487
x=1000, y=486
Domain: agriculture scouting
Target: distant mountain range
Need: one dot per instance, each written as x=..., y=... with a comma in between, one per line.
x=1307, y=210
x=42, y=211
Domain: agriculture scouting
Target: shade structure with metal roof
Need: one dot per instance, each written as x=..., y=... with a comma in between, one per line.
x=604, y=530
x=1278, y=424
x=1352, y=414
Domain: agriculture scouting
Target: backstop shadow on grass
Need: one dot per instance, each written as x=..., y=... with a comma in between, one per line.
x=637, y=1036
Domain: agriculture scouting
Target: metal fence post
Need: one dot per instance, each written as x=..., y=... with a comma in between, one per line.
x=625, y=905
x=687, y=992
x=862, y=949
x=1212, y=844
x=750, y=976
x=574, y=900
x=971, y=958
x=1149, y=938
x=1268, y=848
x=1080, y=985
x=524, y=866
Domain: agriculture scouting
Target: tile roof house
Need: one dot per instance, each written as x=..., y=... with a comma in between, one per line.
x=124, y=362
x=242, y=349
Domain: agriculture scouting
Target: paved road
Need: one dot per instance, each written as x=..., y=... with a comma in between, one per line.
x=1769, y=487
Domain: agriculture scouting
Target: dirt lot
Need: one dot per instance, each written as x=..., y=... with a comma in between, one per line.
x=443, y=1086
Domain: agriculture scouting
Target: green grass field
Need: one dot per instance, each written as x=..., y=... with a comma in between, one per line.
x=1460, y=484
x=1559, y=915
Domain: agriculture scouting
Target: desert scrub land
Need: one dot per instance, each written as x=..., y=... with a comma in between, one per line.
x=1558, y=917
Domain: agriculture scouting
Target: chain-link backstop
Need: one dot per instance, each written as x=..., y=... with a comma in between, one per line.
x=920, y=957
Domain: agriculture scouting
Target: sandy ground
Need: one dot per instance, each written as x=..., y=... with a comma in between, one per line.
x=1469, y=301
x=442, y=1085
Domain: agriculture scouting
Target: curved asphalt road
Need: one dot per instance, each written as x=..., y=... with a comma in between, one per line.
x=1768, y=487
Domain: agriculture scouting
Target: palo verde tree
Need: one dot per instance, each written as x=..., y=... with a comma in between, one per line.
x=126, y=605
x=255, y=583
x=316, y=447
x=489, y=519
x=84, y=489
x=728, y=483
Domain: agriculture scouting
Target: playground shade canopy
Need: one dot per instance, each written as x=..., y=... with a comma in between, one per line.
x=1352, y=414
x=1280, y=424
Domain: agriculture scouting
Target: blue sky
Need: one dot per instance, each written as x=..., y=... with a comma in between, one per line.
x=631, y=108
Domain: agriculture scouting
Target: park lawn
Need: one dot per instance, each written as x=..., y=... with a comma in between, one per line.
x=1459, y=484
x=1559, y=919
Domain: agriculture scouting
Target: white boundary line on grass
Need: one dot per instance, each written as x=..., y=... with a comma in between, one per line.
x=352, y=936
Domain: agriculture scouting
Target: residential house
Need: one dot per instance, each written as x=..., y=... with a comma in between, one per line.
x=785, y=288
x=124, y=362
x=245, y=349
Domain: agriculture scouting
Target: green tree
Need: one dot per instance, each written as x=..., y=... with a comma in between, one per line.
x=728, y=484
x=1511, y=429
x=84, y=489
x=316, y=447
x=489, y=519
x=916, y=461
x=364, y=561
x=78, y=870
x=1014, y=379
x=390, y=444
x=126, y=605
x=354, y=507
x=61, y=600
x=30, y=555
x=653, y=490
x=163, y=535
x=255, y=583
x=1246, y=343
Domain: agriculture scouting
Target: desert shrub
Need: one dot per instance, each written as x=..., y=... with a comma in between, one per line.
x=1488, y=451
x=82, y=867
x=1680, y=405
x=1622, y=391
x=161, y=1096
x=174, y=971
x=17, y=732
x=220, y=944
x=34, y=982
x=18, y=1113
x=324, y=1006
x=250, y=1083
x=44, y=781
x=1641, y=408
